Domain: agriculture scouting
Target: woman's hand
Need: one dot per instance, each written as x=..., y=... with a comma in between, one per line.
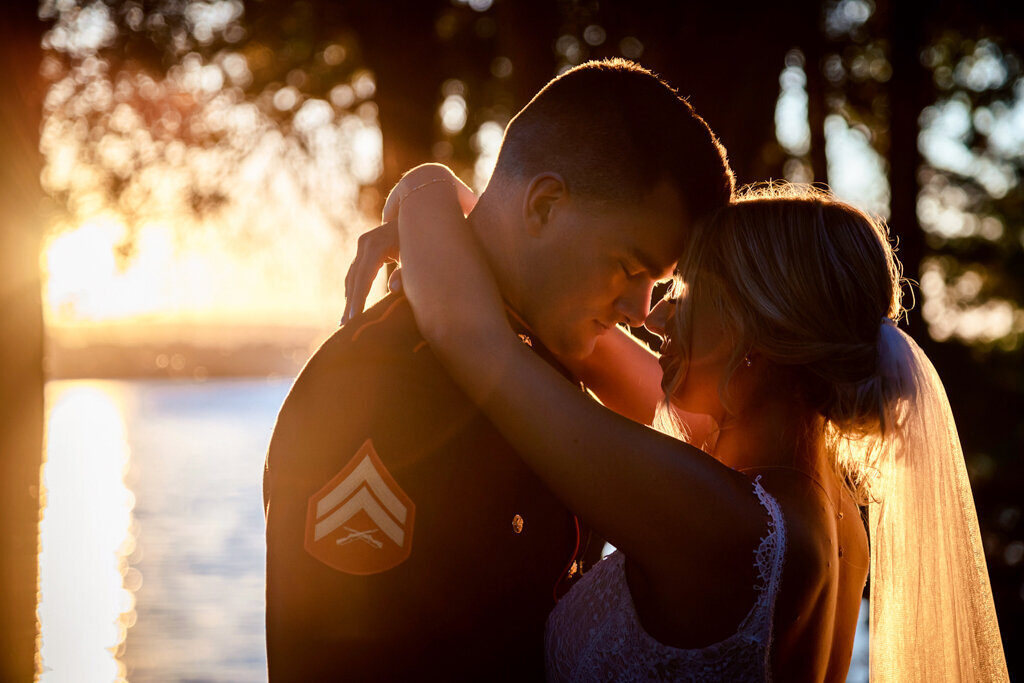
x=380, y=246
x=375, y=248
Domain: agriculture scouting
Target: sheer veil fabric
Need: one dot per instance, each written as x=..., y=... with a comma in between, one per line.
x=932, y=615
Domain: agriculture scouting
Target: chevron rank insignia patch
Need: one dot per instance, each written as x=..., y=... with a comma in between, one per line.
x=361, y=521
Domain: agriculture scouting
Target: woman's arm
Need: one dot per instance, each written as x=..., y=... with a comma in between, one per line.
x=656, y=498
x=379, y=246
x=623, y=373
x=421, y=176
x=626, y=376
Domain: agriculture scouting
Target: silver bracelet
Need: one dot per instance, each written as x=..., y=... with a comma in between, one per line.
x=429, y=182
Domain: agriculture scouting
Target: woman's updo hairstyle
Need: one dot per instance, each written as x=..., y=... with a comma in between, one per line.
x=804, y=280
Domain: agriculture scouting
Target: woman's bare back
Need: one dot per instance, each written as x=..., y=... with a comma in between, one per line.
x=823, y=579
x=699, y=600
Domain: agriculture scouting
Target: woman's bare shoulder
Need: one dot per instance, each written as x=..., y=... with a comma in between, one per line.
x=809, y=516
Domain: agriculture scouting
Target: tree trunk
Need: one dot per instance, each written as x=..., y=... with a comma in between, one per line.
x=21, y=336
x=405, y=58
x=534, y=59
x=909, y=78
x=735, y=84
x=817, y=106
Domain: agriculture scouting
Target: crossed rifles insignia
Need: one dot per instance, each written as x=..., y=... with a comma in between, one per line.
x=361, y=521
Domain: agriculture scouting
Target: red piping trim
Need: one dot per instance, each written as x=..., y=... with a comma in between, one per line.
x=518, y=318
x=572, y=560
x=382, y=317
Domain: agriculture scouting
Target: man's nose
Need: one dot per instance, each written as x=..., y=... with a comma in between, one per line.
x=635, y=305
x=657, y=319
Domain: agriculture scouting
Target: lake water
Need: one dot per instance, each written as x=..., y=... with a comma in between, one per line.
x=152, y=546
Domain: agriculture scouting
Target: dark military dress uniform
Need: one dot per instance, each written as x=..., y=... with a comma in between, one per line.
x=405, y=538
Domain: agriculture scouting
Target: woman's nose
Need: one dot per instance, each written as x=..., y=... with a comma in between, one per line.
x=657, y=321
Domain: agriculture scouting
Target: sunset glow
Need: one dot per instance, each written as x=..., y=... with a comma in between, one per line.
x=85, y=282
x=186, y=186
x=202, y=278
x=162, y=227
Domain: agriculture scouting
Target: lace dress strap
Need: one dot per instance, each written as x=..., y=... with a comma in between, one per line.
x=768, y=560
x=594, y=633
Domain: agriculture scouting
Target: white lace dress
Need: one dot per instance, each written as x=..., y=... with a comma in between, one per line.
x=594, y=633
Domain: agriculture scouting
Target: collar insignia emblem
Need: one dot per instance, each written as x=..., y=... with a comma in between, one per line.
x=361, y=521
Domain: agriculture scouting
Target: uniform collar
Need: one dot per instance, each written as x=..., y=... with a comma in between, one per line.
x=519, y=324
x=529, y=338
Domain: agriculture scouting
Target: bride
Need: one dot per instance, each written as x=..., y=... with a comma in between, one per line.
x=745, y=559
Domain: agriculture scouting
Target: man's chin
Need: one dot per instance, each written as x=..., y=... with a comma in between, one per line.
x=569, y=343
x=577, y=349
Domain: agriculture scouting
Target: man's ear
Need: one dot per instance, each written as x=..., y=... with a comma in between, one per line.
x=543, y=192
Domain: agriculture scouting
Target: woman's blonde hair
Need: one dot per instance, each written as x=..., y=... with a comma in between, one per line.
x=805, y=281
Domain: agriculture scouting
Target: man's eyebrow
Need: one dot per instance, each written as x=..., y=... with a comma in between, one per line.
x=652, y=265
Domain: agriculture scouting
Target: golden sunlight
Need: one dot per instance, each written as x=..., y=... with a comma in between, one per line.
x=86, y=587
x=194, y=274
x=84, y=281
x=239, y=295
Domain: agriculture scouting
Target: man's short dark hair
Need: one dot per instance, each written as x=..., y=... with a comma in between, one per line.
x=614, y=130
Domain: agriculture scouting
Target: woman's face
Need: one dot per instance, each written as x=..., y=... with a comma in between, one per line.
x=711, y=348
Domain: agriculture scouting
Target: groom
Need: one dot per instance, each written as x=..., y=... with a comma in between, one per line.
x=405, y=539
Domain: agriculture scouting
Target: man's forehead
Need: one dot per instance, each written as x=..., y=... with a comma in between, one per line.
x=662, y=231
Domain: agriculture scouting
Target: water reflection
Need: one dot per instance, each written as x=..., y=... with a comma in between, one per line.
x=87, y=601
x=191, y=527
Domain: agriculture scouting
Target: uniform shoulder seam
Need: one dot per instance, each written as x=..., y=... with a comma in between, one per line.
x=383, y=316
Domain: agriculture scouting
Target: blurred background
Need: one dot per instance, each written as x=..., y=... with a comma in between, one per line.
x=181, y=189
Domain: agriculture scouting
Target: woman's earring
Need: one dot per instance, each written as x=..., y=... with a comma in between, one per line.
x=747, y=361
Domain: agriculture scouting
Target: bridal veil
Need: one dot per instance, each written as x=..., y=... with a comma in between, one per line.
x=932, y=615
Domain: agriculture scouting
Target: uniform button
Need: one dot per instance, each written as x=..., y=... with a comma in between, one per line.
x=517, y=524
x=840, y=515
